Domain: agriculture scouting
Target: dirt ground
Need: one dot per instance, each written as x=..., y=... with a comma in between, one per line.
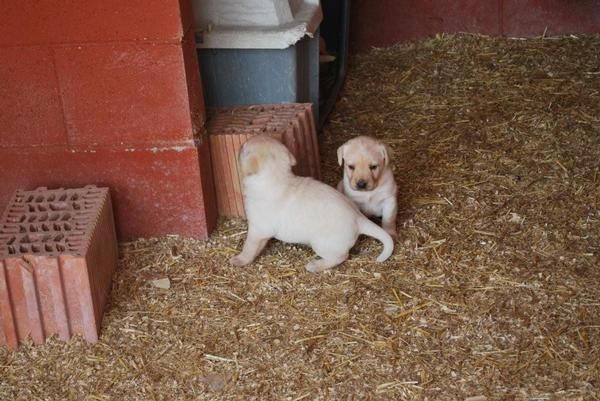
x=493, y=292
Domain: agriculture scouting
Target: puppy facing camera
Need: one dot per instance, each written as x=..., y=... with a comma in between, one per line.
x=368, y=179
x=298, y=210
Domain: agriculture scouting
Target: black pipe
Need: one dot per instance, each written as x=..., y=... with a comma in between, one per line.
x=342, y=65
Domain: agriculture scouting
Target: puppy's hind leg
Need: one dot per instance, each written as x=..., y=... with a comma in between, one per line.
x=326, y=263
x=388, y=219
x=252, y=247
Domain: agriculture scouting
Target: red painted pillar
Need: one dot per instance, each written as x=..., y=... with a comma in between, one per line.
x=107, y=93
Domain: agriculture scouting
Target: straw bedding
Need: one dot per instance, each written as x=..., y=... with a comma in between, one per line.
x=493, y=292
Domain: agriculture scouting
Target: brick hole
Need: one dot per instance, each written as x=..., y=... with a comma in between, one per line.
x=22, y=228
x=43, y=217
x=60, y=248
x=45, y=227
x=75, y=197
x=56, y=227
x=67, y=227
x=22, y=219
x=31, y=208
x=30, y=198
x=76, y=206
x=51, y=198
x=11, y=240
x=63, y=198
x=9, y=229
x=32, y=219
x=58, y=237
x=39, y=198
x=66, y=217
x=54, y=216
x=12, y=250
x=33, y=228
x=59, y=205
x=36, y=248
x=48, y=247
x=42, y=208
x=23, y=248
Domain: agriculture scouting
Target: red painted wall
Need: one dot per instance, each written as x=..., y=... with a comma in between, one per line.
x=385, y=22
x=107, y=92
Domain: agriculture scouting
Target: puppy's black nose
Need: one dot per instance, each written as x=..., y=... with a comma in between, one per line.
x=361, y=184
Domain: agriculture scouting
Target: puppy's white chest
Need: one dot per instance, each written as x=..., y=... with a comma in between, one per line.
x=370, y=203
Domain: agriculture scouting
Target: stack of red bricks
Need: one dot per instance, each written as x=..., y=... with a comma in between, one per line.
x=229, y=128
x=58, y=251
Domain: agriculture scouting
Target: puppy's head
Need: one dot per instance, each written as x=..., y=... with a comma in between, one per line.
x=261, y=152
x=364, y=160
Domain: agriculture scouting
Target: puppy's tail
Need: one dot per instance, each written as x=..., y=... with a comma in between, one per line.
x=367, y=227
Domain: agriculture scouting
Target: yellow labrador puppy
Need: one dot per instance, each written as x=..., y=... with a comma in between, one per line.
x=368, y=179
x=296, y=209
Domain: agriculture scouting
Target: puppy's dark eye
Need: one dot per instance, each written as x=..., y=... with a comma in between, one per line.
x=350, y=166
x=373, y=167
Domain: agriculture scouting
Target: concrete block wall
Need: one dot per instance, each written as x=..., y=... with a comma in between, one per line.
x=109, y=93
x=385, y=22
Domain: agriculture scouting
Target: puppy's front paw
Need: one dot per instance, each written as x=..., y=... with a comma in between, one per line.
x=321, y=265
x=315, y=266
x=237, y=261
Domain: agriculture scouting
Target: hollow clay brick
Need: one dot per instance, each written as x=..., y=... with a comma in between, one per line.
x=58, y=251
x=229, y=128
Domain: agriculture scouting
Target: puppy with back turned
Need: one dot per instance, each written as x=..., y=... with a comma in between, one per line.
x=296, y=209
x=368, y=179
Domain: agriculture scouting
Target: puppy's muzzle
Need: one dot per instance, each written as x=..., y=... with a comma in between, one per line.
x=361, y=185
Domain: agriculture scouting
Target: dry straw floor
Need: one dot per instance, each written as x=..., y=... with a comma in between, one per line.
x=493, y=292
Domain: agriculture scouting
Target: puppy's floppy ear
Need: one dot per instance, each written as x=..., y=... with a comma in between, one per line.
x=340, y=154
x=385, y=153
x=249, y=165
x=292, y=159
